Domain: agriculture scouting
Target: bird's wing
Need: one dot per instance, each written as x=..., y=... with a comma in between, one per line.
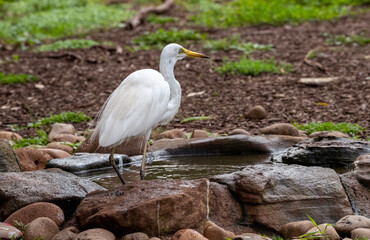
x=133, y=109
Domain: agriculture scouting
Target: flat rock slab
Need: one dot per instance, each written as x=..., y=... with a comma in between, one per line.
x=19, y=189
x=86, y=161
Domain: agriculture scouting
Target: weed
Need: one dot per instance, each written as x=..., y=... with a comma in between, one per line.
x=41, y=139
x=155, y=19
x=16, y=78
x=316, y=234
x=190, y=119
x=349, y=128
x=162, y=37
x=72, y=145
x=253, y=67
x=355, y=39
x=13, y=59
x=60, y=118
x=67, y=44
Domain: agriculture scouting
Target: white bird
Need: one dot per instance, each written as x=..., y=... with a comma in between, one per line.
x=144, y=100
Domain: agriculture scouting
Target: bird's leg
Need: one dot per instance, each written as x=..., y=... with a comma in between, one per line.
x=142, y=170
x=113, y=163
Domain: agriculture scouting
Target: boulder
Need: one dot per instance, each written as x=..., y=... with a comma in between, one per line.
x=188, y=234
x=60, y=146
x=295, y=229
x=39, y=209
x=199, y=134
x=10, y=136
x=156, y=207
x=32, y=159
x=55, y=153
x=67, y=138
x=348, y=223
x=60, y=128
x=8, y=232
x=238, y=131
x=135, y=236
x=280, y=129
x=172, y=134
x=329, y=134
x=273, y=195
x=95, y=234
x=256, y=112
x=250, y=236
x=335, y=153
x=68, y=233
x=214, y=232
x=41, y=227
x=64, y=189
x=360, y=233
x=362, y=169
x=329, y=231
x=8, y=159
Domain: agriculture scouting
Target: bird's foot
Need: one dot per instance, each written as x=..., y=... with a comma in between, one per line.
x=142, y=174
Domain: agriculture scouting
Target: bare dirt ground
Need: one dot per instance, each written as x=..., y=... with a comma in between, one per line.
x=81, y=80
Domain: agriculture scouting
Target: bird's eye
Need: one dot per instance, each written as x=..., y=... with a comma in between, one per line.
x=181, y=50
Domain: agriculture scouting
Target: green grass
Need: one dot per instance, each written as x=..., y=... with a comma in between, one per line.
x=13, y=59
x=253, y=67
x=190, y=119
x=67, y=44
x=64, y=117
x=53, y=23
x=156, y=19
x=349, y=128
x=16, y=78
x=234, y=43
x=41, y=139
x=162, y=37
x=355, y=39
x=215, y=13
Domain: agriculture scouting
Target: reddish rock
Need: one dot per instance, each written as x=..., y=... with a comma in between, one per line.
x=35, y=210
x=188, y=234
x=238, y=131
x=199, y=134
x=214, y=232
x=60, y=128
x=329, y=231
x=362, y=169
x=348, y=223
x=68, y=233
x=95, y=234
x=10, y=135
x=8, y=232
x=360, y=233
x=295, y=229
x=172, y=134
x=329, y=134
x=66, y=138
x=60, y=146
x=135, y=236
x=41, y=227
x=32, y=159
x=256, y=112
x=55, y=153
x=280, y=129
x=250, y=236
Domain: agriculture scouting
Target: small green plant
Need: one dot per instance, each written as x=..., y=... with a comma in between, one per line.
x=63, y=117
x=67, y=44
x=355, y=39
x=40, y=139
x=349, y=128
x=13, y=59
x=155, y=19
x=247, y=66
x=16, y=78
x=162, y=37
x=190, y=119
x=72, y=145
x=316, y=234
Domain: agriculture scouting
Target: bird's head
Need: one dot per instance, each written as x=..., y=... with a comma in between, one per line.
x=178, y=52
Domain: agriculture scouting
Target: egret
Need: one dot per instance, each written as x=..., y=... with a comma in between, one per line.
x=144, y=100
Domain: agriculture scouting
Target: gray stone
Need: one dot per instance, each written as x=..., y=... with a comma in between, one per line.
x=276, y=194
x=19, y=189
x=8, y=159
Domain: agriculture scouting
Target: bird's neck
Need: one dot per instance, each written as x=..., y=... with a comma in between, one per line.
x=166, y=67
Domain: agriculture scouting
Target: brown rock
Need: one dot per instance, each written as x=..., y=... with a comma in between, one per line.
x=8, y=159
x=329, y=134
x=65, y=138
x=188, y=234
x=60, y=146
x=135, y=236
x=60, y=128
x=250, y=236
x=214, y=232
x=329, y=232
x=154, y=238
x=172, y=134
x=238, y=131
x=32, y=159
x=8, y=232
x=256, y=112
x=41, y=227
x=199, y=134
x=295, y=229
x=55, y=153
x=280, y=129
x=69, y=233
x=362, y=169
x=348, y=223
x=10, y=135
x=360, y=233
x=35, y=210
x=96, y=234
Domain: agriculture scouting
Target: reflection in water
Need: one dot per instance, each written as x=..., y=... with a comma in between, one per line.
x=176, y=168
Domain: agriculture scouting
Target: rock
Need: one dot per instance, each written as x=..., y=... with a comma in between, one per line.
x=8, y=159
x=214, y=232
x=358, y=194
x=135, y=146
x=96, y=234
x=256, y=112
x=40, y=209
x=348, y=223
x=238, y=131
x=8, y=232
x=60, y=128
x=64, y=189
x=135, y=236
x=317, y=81
x=172, y=134
x=67, y=138
x=329, y=134
x=55, y=153
x=250, y=236
x=280, y=129
x=334, y=153
x=360, y=233
x=146, y=206
x=41, y=227
x=10, y=135
x=295, y=229
x=199, y=134
x=188, y=234
x=328, y=230
x=32, y=159
x=68, y=233
x=60, y=146
x=362, y=169
x=273, y=195
x=154, y=238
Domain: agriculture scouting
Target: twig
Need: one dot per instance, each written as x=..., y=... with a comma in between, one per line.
x=144, y=11
x=313, y=63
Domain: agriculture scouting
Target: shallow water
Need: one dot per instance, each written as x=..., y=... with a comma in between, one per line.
x=176, y=168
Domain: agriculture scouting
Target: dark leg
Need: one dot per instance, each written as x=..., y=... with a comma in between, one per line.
x=142, y=170
x=113, y=163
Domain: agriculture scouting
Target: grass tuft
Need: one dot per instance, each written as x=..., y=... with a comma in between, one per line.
x=253, y=67
x=156, y=19
x=349, y=128
x=41, y=139
x=63, y=117
x=190, y=119
x=355, y=39
x=67, y=44
x=16, y=78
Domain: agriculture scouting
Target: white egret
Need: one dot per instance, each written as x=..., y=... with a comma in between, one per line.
x=145, y=99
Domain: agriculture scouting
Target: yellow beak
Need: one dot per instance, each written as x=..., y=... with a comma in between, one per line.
x=193, y=54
